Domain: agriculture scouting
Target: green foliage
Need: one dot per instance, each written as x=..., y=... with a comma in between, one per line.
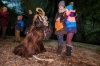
x=33, y=4
x=88, y=21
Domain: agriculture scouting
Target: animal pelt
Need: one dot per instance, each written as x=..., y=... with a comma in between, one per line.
x=47, y=29
x=47, y=32
x=38, y=23
x=31, y=44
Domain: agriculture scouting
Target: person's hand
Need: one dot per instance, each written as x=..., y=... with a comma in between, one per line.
x=58, y=19
x=11, y=27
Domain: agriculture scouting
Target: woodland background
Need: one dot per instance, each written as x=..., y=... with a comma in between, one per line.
x=88, y=19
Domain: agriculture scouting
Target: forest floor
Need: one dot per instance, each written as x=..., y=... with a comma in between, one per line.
x=82, y=55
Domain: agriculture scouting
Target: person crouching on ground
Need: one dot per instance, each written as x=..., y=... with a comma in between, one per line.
x=71, y=28
x=19, y=24
x=60, y=33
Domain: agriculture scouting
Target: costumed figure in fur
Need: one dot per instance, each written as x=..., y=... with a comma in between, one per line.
x=33, y=42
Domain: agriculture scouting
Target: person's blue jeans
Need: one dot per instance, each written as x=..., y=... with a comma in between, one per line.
x=60, y=39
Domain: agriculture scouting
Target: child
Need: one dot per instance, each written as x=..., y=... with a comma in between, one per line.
x=19, y=24
x=71, y=28
x=60, y=33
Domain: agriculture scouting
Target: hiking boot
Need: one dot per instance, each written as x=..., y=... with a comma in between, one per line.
x=68, y=51
x=59, y=49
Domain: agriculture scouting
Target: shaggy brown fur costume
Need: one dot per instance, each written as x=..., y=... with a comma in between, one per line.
x=32, y=44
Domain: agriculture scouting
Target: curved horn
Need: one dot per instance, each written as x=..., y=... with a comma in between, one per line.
x=41, y=10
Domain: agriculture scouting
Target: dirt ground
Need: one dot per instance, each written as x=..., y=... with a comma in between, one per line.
x=80, y=56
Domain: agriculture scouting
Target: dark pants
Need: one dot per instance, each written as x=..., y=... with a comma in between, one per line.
x=60, y=39
x=3, y=28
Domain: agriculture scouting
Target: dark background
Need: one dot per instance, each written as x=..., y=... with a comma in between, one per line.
x=88, y=19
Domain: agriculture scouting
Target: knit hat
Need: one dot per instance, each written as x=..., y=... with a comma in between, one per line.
x=61, y=3
x=70, y=7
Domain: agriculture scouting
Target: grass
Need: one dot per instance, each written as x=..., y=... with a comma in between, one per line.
x=86, y=45
x=54, y=42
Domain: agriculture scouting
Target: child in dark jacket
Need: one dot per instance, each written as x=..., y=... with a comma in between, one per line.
x=19, y=24
x=60, y=33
